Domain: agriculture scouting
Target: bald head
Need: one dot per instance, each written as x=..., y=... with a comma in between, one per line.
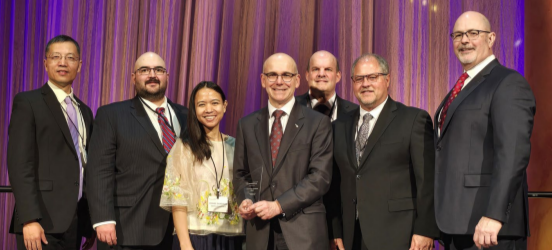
x=323, y=55
x=474, y=49
x=474, y=18
x=148, y=58
x=280, y=58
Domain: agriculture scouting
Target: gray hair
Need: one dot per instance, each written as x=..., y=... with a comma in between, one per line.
x=381, y=61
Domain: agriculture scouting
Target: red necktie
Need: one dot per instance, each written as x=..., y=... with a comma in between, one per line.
x=168, y=134
x=276, y=135
x=457, y=88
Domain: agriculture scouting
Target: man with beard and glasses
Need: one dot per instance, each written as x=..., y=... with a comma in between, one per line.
x=483, y=141
x=128, y=151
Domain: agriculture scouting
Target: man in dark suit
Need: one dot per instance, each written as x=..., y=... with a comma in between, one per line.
x=322, y=75
x=384, y=156
x=287, y=149
x=128, y=152
x=482, y=139
x=48, y=138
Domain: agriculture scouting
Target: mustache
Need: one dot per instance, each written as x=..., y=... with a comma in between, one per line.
x=153, y=80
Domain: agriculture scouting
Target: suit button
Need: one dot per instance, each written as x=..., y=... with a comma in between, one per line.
x=438, y=148
x=273, y=185
x=76, y=183
x=358, y=177
x=354, y=201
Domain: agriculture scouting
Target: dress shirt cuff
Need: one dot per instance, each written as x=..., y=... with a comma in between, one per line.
x=104, y=223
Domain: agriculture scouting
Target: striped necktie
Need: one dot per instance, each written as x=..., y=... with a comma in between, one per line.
x=168, y=134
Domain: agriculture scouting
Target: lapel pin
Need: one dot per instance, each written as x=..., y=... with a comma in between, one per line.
x=296, y=125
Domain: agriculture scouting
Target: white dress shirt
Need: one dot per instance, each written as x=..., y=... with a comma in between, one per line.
x=375, y=114
x=331, y=102
x=284, y=119
x=471, y=74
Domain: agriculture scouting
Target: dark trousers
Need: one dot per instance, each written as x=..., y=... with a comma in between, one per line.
x=69, y=240
x=358, y=243
x=276, y=239
x=465, y=242
x=166, y=243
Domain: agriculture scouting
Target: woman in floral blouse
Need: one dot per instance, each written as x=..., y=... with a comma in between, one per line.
x=198, y=188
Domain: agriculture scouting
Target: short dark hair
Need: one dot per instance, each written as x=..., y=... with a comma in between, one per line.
x=61, y=39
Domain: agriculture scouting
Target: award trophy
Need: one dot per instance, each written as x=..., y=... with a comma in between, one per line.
x=253, y=184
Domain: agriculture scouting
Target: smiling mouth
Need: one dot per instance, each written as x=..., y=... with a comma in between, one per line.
x=209, y=118
x=63, y=72
x=465, y=50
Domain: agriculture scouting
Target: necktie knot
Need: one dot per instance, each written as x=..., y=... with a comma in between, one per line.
x=160, y=110
x=366, y=118
x=68, y=100
x=278, y=113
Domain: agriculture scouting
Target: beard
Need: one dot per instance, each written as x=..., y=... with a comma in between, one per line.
x=152, y=95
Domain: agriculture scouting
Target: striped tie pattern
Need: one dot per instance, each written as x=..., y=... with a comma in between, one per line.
x=168, y=134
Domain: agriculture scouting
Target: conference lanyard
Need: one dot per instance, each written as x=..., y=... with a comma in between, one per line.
x=217, y=181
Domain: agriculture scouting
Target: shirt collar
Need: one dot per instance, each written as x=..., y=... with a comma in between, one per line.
x=475, y=70
x=286, y=108
x=375, y=112
x=60, y=94
x=153, y=106
x=329, y=103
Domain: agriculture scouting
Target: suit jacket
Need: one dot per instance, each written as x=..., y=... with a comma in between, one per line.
x=392, y=187
x=343, y=106
x=126, y=172
x=43, y=165
x=483, y=152
x=299, y=179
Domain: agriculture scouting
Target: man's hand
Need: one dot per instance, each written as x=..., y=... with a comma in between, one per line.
x=486, y=232
x=337, y=244
x=266, y=210
x=89, y=242
x=33, y=236
x=106, y=233
x=420, y=242
x=245, y=210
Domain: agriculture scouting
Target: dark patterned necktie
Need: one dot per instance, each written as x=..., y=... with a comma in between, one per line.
x=168, y=134
x=276, y=135
x=457, y=88
x=362, y=135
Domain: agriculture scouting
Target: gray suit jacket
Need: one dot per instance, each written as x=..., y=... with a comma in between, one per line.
x=126, y=172
x=483, y=152
x=301, y=176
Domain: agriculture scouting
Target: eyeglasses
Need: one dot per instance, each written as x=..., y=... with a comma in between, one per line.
x=471, y=34
x=371, y=77
x=156, y=70
x=286, y=77
x=56, y=57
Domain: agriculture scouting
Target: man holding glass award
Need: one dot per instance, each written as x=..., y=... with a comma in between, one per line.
x=283, y=166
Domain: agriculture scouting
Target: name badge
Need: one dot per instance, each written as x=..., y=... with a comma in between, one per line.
x=219, y=205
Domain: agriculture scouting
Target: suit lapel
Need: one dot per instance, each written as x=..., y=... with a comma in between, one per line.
x=385, y=118
x=261, y=133
x=138, y=111
x=87, y=119
x=303, y=99
x=472, y=85
x=293, y=126
x=55, y=107
x=351, y=128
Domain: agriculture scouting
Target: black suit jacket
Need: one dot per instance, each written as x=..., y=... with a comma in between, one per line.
x=126, y=172
x=393, y=185
x=483, y=152
x=43, y=165
x=299, y=179
x=343, y=106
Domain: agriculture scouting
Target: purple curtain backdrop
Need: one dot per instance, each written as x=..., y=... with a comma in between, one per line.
x=227, y=42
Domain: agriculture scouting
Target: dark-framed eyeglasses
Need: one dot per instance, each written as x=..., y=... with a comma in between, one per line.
x=286, y=77
x=371, y=77
x=147, y=70
x=56, y=57
x=471, y=34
